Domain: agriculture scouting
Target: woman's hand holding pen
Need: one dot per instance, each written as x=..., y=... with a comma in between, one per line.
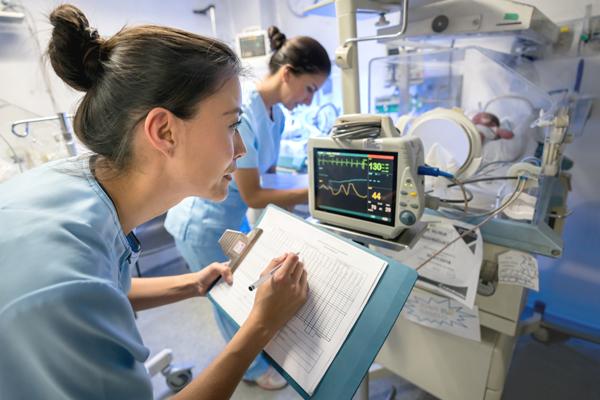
x=279, y=298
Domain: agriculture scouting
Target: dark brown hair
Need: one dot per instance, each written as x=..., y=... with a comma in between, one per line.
x=302, y=53
x=128, y=74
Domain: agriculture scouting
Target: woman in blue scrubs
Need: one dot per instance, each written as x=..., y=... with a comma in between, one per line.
x=297, y=69
x=160, y=114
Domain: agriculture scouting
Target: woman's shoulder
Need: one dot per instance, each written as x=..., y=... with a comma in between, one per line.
x=42, y=184
x=252, y=103
x=56, y=227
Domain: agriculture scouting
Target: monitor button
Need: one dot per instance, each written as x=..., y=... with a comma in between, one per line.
x=415, y=206
x=407, y=218
x=403, y=204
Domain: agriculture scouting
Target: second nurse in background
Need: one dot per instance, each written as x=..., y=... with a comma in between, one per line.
x=297, y=69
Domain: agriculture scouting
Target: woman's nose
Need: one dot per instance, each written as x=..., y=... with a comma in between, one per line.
x=239, y=149
x=308, y=100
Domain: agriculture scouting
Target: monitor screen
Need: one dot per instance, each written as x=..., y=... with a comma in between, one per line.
x=252, y=46
x=356, y=183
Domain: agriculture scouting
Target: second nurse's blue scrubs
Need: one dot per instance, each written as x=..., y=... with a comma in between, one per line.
x=197, y=224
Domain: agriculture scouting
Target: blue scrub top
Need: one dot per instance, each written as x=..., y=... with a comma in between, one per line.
x=67, y=329
x=201, y=221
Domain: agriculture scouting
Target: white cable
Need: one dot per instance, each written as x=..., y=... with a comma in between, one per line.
x=514, y=197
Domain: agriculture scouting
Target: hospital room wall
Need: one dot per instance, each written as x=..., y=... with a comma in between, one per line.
x=28, y=86
x=25, y=93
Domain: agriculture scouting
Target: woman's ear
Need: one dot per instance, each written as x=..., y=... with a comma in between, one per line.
x=286, y=73
x=160, y=128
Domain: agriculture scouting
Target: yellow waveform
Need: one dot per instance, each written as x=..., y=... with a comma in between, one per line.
x=343, y=188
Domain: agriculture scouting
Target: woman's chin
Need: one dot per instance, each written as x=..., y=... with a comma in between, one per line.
x=217, y=192
x=220, y=197
x=220, y=192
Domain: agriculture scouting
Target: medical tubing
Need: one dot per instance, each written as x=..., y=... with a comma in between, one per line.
x=508, y=202
x=464, y=192
x=454, y=201
x=433, y=171
x=489, y=178
x=484, y=214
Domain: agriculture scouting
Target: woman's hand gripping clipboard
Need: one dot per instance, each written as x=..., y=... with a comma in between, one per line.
x=236, y=245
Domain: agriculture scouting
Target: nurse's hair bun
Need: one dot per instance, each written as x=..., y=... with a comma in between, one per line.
x=75, y=48
x=276, y=38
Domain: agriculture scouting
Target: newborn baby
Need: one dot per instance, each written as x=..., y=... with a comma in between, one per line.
x=488, y=126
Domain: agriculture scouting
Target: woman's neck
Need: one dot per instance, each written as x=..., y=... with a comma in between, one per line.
x=269, y=90
x=135, y=196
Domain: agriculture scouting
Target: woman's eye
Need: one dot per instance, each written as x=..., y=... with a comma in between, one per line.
x=235, y=125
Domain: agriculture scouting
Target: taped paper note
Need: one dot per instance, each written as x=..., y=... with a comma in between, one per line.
x=518, y=268
x=455, y=272
x=442, y=313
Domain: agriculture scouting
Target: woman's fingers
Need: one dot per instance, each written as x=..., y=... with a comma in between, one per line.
x=304, y=280
x=224, y=271
x=274, y=262
x=293, y=266
x=297, y=272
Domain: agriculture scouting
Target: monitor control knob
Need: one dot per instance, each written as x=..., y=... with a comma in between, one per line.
x=440, y=23
x=407, y=217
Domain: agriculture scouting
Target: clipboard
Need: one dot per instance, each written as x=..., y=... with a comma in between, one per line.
x=368, y=334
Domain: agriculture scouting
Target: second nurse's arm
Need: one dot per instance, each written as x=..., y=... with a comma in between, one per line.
x=255, y=196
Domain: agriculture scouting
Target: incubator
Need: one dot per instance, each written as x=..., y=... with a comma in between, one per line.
x=480, y=116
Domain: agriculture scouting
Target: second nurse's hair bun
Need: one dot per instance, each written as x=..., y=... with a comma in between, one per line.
x=276, y=38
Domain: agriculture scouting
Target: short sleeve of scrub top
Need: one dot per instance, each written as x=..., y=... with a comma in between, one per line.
x=261, y=134
x=67, y=329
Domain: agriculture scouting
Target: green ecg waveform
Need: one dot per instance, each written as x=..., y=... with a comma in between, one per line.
x=344, y=162
x=362, y=163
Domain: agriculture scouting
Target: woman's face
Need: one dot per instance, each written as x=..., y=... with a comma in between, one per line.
x=300, y=88
x=211, y=143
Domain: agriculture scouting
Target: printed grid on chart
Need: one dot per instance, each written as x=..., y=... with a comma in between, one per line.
x=332, y=286
x=332, y=283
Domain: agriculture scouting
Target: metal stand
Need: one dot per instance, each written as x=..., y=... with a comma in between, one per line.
x=363, y=389
x=404, y=241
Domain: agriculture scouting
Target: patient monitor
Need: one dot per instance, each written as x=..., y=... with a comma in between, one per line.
x=364, y=176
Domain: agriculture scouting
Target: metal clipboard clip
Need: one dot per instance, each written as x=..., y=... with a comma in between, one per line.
x=237, y=245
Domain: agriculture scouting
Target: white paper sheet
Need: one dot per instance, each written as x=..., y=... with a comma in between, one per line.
x=453, y=273
x=518, y=268
x=442, y=313
x=341, y=278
